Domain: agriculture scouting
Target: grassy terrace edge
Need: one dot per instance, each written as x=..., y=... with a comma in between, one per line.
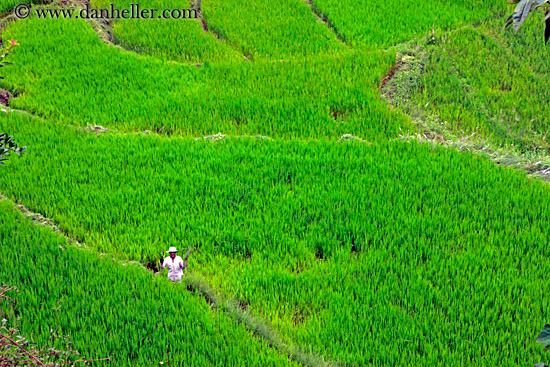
x=421, y=216
x=68, y=289
x=316, y=188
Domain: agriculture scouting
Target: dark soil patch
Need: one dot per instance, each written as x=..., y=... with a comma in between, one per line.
x=340, y=114
x=203, y=23
x=163, y=130
x=197, y=5
x=5, y=97
x=319, y=252
x=353, y=246
x=243, y=304
x=300, y=315
x=152, y=265
x=390, y=75
x=104, y=30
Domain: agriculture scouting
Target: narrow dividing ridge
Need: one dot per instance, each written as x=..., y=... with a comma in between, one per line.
x=102, y=26
x=39, y=219
x=234, y=308
x=397, y=88
x=197, y=5
x=322, y=17
x=4, y=21
x=394, y=68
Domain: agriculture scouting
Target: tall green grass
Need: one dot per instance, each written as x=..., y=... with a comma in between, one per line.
x=6, y=6
x=264, y=29
x=255, y=30
x=251, y=30
x=491, y=82
x=261, y=29
x=85, y=81
x=391, y=253
x=382, y=23
x=386, y=254
x=112, y=310
x=181, y=40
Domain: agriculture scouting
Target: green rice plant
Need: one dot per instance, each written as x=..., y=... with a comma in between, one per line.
x=87, y=82
x=15, y=349
x=263, y=29
x=380, y=24
x=390, y=253
x=379, y=253
x=228, y=31
x=480, y=80
x=182, y=40
x=7, y=5
x=110, y=309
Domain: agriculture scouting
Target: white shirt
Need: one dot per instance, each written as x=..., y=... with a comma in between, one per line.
x=175, y=267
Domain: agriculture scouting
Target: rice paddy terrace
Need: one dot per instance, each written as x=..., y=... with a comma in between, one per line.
x=363, y=183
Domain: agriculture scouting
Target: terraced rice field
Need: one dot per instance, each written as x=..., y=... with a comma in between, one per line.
x=322, y=209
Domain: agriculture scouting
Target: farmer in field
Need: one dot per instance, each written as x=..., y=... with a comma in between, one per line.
x=175, y=265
